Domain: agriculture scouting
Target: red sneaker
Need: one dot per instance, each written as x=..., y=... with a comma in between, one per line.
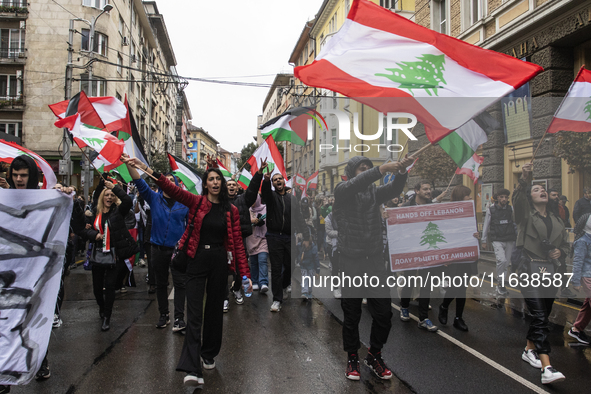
x=377, y=365
x=352, y=372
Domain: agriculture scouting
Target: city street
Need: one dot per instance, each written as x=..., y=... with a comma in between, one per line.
x=299, y=349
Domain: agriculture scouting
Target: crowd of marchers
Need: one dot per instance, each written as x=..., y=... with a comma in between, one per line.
x=202, y=240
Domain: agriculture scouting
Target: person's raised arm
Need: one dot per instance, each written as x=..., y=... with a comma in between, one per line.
x=521, y=207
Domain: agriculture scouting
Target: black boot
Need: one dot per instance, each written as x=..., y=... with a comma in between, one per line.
x=460, y=324
x=101, y=313
x=442, y=314
x=106, y=323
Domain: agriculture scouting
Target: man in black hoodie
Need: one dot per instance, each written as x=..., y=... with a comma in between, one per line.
x=282, y=207
x=360, y=246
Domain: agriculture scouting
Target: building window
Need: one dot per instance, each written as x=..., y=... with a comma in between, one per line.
x=10, y=87
x=333, y=140
x=12, y=128
x=387, y=3
x=12, y=42
x=99, y=86
x=132, y=84
x=119, y=63
x=118, y=96
x=440, y=16
x=100, y=42
x=121, y=25
x=95, y=3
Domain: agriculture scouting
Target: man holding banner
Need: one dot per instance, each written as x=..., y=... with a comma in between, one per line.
x=360, y=246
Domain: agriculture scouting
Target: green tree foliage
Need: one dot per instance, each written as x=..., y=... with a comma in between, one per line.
x=575, y=148
x=425, y=74
x=431, y=236
x=160, y=163
x=435, y=165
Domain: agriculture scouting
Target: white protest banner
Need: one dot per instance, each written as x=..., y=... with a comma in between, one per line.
x=432, y=235
x=34, y=228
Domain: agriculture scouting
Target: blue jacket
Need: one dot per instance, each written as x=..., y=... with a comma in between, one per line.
x=582, y=259
x=310, y=260
x=168, y=224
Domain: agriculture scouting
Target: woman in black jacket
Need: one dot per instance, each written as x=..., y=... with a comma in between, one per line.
x=108, y=231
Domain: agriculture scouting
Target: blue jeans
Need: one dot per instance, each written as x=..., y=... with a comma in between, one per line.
x=259, y=270
x=307, y=281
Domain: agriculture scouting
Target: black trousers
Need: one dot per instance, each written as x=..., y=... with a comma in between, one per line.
x=236, y=276
x=424, y=293
x=206, y=273
x=162, y=256
x=151, y=274
x=280, y=256
x=105, y=277
x=378, y=301
x=540, y=309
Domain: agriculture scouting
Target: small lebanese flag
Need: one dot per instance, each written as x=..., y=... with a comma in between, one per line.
x=10, y=150
x=268, y=150
x=471, y=166
x=394, y=65
x=244, y=179
x=312, y=181
x=299, y=180
x=412, y=165
x=574, y=113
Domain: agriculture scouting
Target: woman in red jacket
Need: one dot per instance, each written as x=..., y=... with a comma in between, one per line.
x=214, y=244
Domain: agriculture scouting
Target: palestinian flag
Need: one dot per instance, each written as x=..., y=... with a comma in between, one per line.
x=394, y=65
x=299, y=180
x=225, y=172
x=312, y=181
x=464, y=142
x=470, y=167
x=268, y=150
x=244, y=179
x=108, y=147
x=190, y=178
x=10, y=150
x=574, y=113
x=289, y=127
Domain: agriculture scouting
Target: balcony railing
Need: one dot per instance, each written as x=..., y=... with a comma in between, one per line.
x=18, y=6
x=13, y=53
x=12, y=102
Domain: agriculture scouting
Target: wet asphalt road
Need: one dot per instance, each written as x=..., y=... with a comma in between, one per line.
x=299, y=349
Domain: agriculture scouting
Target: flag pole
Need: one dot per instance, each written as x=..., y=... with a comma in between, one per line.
x=452, y=179
x=89, y=162
x=538, y=148
x=420, y=151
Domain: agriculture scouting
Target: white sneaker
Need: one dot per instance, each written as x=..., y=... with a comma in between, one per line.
x=264, y=289
x=238, y=297
x=288, y=289
x=255, y=287
x=226, y=306
x=193, y=380
x=275, y=306
x=57, y=322
x=142, y=263
x=364, y=301
x=337, y=293
x=550, y=375
x=532, y=358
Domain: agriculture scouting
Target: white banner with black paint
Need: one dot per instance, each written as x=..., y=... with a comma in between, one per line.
x=33, y=236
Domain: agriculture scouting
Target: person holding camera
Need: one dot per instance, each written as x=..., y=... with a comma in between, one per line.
x=543, y=240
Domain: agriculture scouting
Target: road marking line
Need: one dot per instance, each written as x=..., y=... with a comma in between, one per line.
x=482, y=357
x=556, y=302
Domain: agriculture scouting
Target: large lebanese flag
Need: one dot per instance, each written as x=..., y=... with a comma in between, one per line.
x=10, y=150
x=108, y=147
x=574, y=113
x=268, y=150
x=394, y=65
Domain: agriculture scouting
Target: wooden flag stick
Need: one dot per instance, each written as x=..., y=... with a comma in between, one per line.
x=452, y=179
x=420, y=151
x=90, y=163
x=538, y=148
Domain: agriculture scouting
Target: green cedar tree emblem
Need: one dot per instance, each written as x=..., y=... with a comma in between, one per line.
x=270, y=167
x=432, y=235
x=587, y=109
x=426, y=74
x=93, y=141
